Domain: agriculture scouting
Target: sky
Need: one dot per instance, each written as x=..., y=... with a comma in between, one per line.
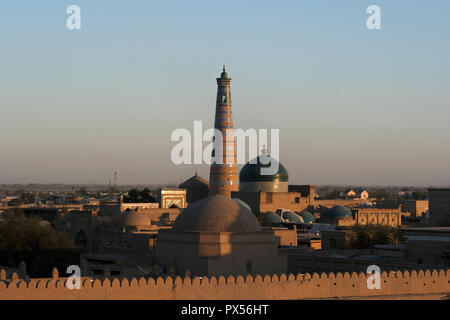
x=353, y=105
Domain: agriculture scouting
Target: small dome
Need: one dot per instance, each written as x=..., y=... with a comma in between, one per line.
x=251, y=172
x=216, y=214
x=307, y=217
x=44, y=223
x=135, y=219
x=270, y=218
x=338, y=212
x=292, y=217
x=224, y=74
x=242, y=203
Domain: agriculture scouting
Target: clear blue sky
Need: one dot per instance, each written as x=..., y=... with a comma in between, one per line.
x=353, y=106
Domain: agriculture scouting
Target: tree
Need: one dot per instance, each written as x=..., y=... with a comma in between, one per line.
x=419, y=195
x=366, y=236
x=334, y=194
x=381, y=194
x=139, y=196
x=36, y=243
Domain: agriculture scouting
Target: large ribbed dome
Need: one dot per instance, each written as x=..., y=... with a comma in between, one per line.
x=251, y=172
x=216, y=214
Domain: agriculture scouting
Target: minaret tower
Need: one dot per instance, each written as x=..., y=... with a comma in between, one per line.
x=223, y=176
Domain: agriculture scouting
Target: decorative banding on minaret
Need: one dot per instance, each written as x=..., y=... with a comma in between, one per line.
x=223, y=176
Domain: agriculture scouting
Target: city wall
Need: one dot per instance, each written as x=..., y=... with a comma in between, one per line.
x=429, y=284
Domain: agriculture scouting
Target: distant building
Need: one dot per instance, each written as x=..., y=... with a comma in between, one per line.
x=387, y=217
x=405, y=193
x=417, y=208
x=350, y=194
x=196, y=188
x=342, y=216
x=430, y=246
x=439, y=215
x=357, y=195
x=262, y=202
x=171, y=198
x=117, y=233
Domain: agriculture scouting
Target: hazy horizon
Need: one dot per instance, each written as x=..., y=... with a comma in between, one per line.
x=141, y=186
x=354, y=107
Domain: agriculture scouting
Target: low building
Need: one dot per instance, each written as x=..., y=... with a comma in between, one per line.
x=357, y=195
x=388, y=217
x=196, y=188
x=261, y=202
x=429, y=246
x=417, y=208
x=342, y=216
x=219, y=236
x=439, y=211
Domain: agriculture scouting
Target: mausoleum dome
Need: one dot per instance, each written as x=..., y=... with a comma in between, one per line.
x=135, y=219
x=258, y=176
x=216, y=214
x=251, y=172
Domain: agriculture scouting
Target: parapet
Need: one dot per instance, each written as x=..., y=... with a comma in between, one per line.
x=407, y=284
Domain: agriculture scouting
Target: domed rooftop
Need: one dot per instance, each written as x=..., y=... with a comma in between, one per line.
x=135, y=219
x=291, y=217
x=251, y=172
x=44, y=223
x=224, y=74
x=242, y=203
x=307, y=217
x=216, y=214
x=338, y=212
x=270, y=218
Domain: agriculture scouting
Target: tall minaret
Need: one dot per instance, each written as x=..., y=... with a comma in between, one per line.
x=223, y=177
